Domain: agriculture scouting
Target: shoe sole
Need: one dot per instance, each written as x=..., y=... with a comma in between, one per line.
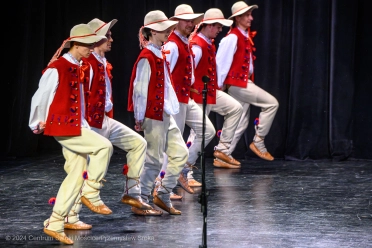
x=93, y=208
x=255, y=150
x=186, y=189
x=77, y=227
x=146, y=212
x=64, y=239
x=135, y=203
x=162, y=205
x=221, y=164
x=225, y=158
x=194, y=183
x=176, y=197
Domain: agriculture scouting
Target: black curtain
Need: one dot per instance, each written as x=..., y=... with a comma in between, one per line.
x=312, y=55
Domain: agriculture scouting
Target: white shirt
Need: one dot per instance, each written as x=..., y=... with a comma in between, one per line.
x=108, y=103
x=225, y=55
x=172, y=57
x=141, y=85
x=44, y=96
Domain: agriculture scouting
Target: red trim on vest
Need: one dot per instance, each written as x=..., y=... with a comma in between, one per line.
x=206, y=67
x=239, y=70
x=64, y=116
x=182, y=72
x=96, y=95
x=155, y=96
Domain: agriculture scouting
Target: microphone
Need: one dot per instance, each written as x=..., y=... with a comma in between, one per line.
x=205, y=79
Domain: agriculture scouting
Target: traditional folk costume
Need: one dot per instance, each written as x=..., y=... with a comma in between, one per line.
x=59, y=103
x=182, y=66
x=99, y=110
x=154, y=102
x=217, y=100
x=235, y=70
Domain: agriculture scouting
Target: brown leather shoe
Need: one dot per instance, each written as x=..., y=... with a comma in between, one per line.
x=101, y=209
x=174, y=196
x=78, y=226
x=265, y=155
x=194, y=183
x=184, y=184
x=131, y=201
x=61, y=237
x=225, y=158
x=149, y=212
x=221, y=164
x=158, y=202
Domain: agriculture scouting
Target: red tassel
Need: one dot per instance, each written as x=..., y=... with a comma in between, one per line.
x=52, y=201
x=125, y=169
x=162, y=173
x=85, y=175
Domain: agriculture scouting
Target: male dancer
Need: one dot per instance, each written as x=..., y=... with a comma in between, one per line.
x=153, y=100
x=181, y=62
x=217, y=101
x=100, y=118
x=235, y=71
x=58, y=110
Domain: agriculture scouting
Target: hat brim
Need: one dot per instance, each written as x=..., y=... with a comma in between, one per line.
x=103, y=31
x=86, y=40
x=161, y=26
x=242, y=11
x=196, y=17
x=227, y=23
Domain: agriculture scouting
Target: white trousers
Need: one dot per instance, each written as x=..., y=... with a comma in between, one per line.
x=127, y=140
x=73, y=164
x=162, y=137
x=192, y=115
x=75, y=150
x=231, y=110
x=253, y=95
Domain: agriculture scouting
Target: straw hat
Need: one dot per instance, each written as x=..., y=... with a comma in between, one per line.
x=82, y=33
x=240, y=8
x=158, y=21
x=100, y=27
x=185, y=12
x=215, y=15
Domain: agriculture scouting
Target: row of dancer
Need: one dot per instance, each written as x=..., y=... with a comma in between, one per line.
x=192, y=56
x=74, y=105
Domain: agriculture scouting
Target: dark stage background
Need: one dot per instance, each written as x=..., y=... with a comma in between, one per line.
x=312, y=55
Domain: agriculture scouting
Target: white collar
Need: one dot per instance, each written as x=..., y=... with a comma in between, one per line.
x=100, y=59
x=244, y=32
x=205, y=38
x=183, y=38
x=72, y=59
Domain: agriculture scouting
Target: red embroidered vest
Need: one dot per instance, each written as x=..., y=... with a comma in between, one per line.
x=206, y=67
x=155, y=96
x=96, y=97
x=64, y=116
x=239, y=71
x=182, y=72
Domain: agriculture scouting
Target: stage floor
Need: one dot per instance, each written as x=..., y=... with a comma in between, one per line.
x=263, y=204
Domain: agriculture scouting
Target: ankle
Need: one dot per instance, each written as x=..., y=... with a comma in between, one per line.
x=258, y=138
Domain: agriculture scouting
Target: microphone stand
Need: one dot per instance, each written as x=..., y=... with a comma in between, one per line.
x=203, y=195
